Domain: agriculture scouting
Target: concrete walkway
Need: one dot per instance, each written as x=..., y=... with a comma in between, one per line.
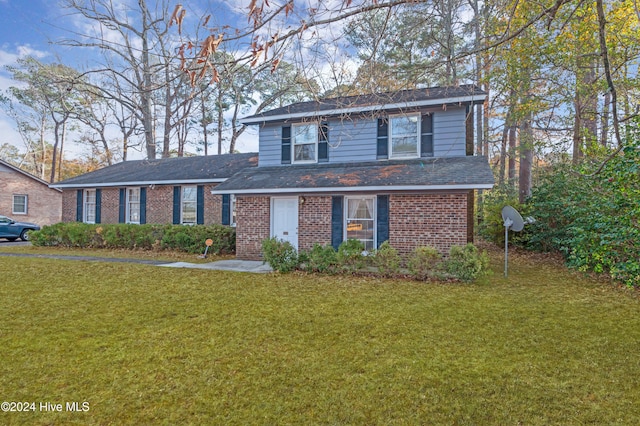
x=236, y=265
x=254, y=266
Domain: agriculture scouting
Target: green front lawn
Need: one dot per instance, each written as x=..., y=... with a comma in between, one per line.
x=150, y=345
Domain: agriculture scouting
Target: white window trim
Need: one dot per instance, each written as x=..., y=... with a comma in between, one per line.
x=128, y=200
x=232, y=210
x=293, y=143
x=418, y=136
x=182, y=202
x=375, y=216
x=85, y=205
x=26, y=204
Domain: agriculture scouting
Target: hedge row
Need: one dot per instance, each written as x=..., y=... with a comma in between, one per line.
x=464, y=263
x=190, y=239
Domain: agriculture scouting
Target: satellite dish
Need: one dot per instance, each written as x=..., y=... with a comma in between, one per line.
x=512, y=220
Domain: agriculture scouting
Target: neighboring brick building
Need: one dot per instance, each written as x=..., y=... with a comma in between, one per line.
x=26, y=198
x=170, y=190
x=396, y=166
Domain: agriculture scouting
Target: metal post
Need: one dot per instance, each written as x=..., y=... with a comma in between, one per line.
x=506, y=249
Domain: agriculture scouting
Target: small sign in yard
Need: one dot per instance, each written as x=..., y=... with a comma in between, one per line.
x=208, y=243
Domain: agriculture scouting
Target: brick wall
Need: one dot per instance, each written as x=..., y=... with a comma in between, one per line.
x=44, y=205
x=314, y=221
x=253, y=218
x=436, y=220
x=159, y=205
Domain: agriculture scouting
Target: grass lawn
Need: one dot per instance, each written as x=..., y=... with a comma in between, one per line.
x=149, y=345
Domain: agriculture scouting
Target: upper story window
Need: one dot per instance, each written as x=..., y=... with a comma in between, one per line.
x=19, y=204
x=133, y=205
x=89, y=206
x=304, y=139
x=404, y=136
x=189, y=205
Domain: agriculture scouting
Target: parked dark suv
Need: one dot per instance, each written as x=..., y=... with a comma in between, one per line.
x=12, y=230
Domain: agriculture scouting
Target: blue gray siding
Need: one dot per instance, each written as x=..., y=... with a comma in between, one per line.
x=355, y=140
x=449, y=133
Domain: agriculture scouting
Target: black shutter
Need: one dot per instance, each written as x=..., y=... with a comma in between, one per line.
x=122, y=207
x=337, y=227
x=98, y=205
x=323, y=143
x=383, y=139
x=286, y=144
x=382, y=219
x=79, y=202
x=176, y=205
x=200, y=205
x=143, y=206
x=426, y=138
x=226, y=209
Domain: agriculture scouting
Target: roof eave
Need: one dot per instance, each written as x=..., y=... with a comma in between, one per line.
x=338, y=189
x=356, y=109
x=137, y=183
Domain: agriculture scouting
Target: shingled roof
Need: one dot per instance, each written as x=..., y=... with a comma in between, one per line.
x=167, y=171
x=372, y=102
x=390, y=175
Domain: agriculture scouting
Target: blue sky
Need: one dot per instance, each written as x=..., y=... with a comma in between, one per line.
x=32, y=27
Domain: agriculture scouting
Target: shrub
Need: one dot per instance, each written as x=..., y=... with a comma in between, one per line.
x=280, y=255
x=350, y=255
x=423, y=262
x=321, y=259
x=492, y=226
x=387, y=260
x=466, y=262
x=190, y=239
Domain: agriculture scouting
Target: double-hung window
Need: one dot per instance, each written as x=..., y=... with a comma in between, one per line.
x=133, y=205
x=89, y=206
x=304, y=139
x=360, y=220
x=19, y=204
x=404, y=136
x=189, y=205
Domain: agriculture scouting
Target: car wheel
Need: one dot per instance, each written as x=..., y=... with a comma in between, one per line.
x=24, y=235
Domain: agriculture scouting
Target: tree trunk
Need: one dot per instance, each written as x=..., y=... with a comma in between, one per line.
x=526, y=159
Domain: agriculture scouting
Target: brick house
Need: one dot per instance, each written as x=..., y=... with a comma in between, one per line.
x=397, y=167
x=169, y=190
x=27, y=198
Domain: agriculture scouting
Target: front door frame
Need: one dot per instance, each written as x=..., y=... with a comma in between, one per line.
x=293, y=239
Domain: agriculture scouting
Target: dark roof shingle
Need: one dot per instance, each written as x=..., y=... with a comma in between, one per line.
x=211, y=168
x=378, y=101
x=426, y=173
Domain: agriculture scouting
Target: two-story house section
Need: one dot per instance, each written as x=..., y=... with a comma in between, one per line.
x=396, y=166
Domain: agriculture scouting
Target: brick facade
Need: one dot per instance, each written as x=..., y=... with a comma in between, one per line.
x=253, y=225
x=430, y=219
x=159, y=207
x=44, y=205
x=314, y=221
x=436, y=220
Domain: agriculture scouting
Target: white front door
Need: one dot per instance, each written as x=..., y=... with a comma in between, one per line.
x=284, y=219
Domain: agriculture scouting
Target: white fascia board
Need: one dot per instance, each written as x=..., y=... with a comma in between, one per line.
x=355, y=189
x=133, y=183
x=351, y=110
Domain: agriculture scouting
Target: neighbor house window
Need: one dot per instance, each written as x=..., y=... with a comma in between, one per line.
x=133, y=205
x=304, y=139
x=360, y=220
x=89, y=206
x=19, y=204
x=189, y=205
x=404, y=136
